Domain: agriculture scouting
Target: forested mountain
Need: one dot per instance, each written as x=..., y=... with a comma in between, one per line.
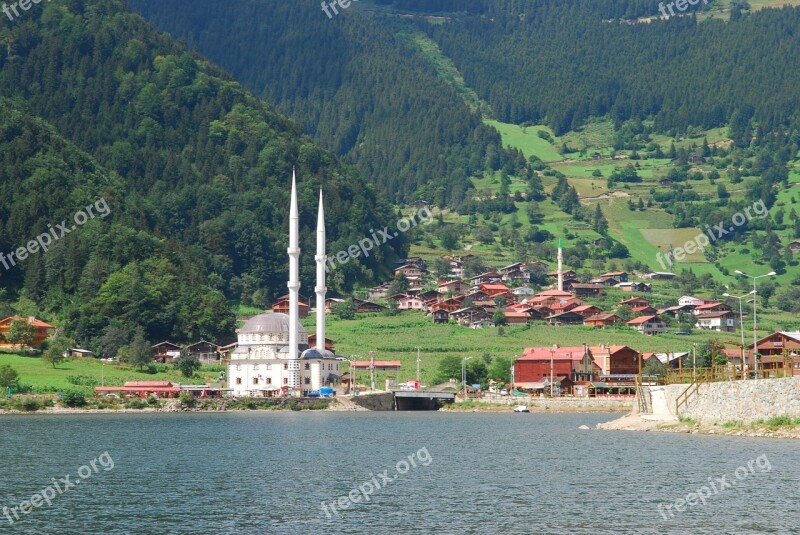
x=355, y=84
x=195, y=171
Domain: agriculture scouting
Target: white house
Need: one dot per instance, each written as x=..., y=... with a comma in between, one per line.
x=717, y=321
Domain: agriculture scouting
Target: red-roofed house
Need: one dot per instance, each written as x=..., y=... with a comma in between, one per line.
x=603, y=320
x=453, y=287
x=516, y=318
x=587, y=310
x=717, y=321
x=380, y=365
x=711, y=307
x=143, y=389
x=635, y=302
x=573, y=362
x=648, y=324
x=494, y=289
x=40, y=327
x=282, y=307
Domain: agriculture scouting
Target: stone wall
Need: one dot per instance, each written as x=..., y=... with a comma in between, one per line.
x=743, y=401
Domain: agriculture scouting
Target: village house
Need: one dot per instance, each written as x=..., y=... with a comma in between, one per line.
x=794, y=247
x=778, y=342
x=674, y=358
x=453, y=287
x=711, y=307
x=165, y=352
x=534, y=365
x=587, y=310
x=516, y=318
x=674, y=311
x=717, y=321
x=522, y=292
x=634, y=302
x=494, y=289
x=366, y=307
x=646, y=310
x=378, y=292
x=481, y=324
x=616, y=360
x=565, y=305
x=581, y=289
x=648, y=324
x=440, y=313
x=568, y=275
x=660, y=275
x=331, y=302
x=485, y=278
x=603, y=320
x=410, y=271
x=312, y=342
x=206, y=352
x=410, y=302
x=41, y=329
x=565, y=318
x=616, y=276
x=281, y=306
x=380, y=365
x=143, y=389
x=635, y=287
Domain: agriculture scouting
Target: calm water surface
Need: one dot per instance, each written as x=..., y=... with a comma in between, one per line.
x=269, y=472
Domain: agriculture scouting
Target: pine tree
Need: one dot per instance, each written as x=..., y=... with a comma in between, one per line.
x=599, y=222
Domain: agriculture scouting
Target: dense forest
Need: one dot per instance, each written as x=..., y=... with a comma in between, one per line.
x=195, y=171
x=358, y=88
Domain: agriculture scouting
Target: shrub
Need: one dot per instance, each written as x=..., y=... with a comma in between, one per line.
x=187, y=400
x=152, y=401
x=73, y=398
x=136, y=403
x=27, y=404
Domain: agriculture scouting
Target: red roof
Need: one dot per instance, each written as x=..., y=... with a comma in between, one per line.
x=560, y=353
x=607, y=349
x=643, y=319
x=554, y=293
x=709, y=305
x=33, y=321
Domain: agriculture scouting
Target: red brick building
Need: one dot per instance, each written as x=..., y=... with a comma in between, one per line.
x=573, y=362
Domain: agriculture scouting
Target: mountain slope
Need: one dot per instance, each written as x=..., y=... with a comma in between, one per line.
x=197, y=168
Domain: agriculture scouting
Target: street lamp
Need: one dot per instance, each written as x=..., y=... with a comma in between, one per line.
x=464, y=374
x=552, y=386
x=741, y=323
x=351, y=361
x=755, y=297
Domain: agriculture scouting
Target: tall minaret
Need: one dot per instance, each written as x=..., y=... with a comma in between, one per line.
x=320, y=289
x=294, y=288
x=560, y=267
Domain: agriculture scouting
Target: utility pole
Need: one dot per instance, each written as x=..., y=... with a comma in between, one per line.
x=371, y=371
x=418, y=361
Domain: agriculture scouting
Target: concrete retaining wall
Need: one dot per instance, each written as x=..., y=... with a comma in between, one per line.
x=743, y=401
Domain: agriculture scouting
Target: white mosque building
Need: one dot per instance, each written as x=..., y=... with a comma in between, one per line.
x=272, y=356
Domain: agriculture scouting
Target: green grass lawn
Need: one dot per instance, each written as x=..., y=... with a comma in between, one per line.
x=527, y=140
x=43, y=377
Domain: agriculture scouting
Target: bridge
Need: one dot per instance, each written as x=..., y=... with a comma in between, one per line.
x=421, y=400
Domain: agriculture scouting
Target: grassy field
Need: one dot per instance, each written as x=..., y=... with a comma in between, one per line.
x=527, y=140
x=90, y=372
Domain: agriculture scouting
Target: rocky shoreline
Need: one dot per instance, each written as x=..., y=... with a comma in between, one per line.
x=634, y=422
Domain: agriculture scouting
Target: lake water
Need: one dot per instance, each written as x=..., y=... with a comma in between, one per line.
x=268, y=472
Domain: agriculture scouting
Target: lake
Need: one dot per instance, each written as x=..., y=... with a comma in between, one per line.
x=422, y=472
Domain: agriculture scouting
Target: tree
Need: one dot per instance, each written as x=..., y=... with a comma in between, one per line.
x=9, y=378
x=449, y=238
x=345, y=310
x=21, y=333
x=477, y=372
x=599, y=221
x=449, y=368
x=625, y=312
x=399, y=285
x=499, y=317
x=766, y=291
x=54, y=354
x=113, y=339
x=139, y=351
x=186, y=363
x=500, y=369
x=442, y=267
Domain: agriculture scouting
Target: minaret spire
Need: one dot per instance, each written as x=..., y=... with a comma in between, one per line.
x=560, y=267
x=294, y=287
x=320, y=289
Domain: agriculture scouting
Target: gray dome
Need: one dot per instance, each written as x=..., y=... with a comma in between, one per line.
x=327, y=354
x=311, y=354
x=269, y=322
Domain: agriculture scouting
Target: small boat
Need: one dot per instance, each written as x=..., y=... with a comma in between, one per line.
x=521, y=408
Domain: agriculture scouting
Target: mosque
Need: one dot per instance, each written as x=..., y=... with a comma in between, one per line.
x=272, y=357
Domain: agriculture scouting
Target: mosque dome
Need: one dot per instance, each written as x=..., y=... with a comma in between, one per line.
x=310, y=354
x=270, y=322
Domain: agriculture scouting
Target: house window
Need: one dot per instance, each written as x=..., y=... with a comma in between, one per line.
x=308, y=366
x=285, y=365
x=307, y=381
x=238, y=380
x=286, y=380
x=269, y=380
x=255, y=380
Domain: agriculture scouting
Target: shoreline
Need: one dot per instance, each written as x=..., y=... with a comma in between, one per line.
x=634, y=422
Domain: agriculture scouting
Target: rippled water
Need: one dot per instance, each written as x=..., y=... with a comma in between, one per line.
x=268, y=472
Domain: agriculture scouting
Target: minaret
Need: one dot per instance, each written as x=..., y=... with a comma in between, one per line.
x=320, y=289
x=294, y=288
x=560, y=267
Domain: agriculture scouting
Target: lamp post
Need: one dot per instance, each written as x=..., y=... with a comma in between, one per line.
x=552, y=352
x=103, y=374
x=755, y=297
x=741, y=322
x=464, y=374
x=351, y=361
